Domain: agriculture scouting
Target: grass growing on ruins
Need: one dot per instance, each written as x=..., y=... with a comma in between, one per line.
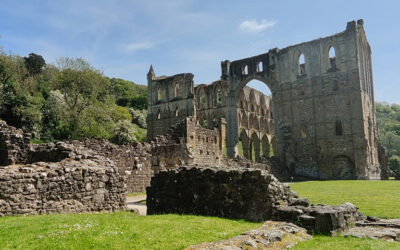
x=121, y=230
x=374, y=198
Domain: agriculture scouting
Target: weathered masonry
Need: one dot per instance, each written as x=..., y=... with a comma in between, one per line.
x=320, y=119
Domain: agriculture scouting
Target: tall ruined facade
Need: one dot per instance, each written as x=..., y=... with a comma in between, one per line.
x=321, y=117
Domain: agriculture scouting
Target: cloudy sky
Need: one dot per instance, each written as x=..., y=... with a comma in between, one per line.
x=123, y=37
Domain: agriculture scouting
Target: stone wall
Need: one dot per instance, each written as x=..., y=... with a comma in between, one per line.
x=14, y=144
x=238, y=193
x=131, y=161
x=234, y=193
x=69, y=186
x=170, y=99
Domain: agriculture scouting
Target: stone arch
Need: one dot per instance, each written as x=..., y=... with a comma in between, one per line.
x=244, y=144
x=243, y=119
x=332, y=56
x=274, y=146
x=265, y=146
x=202, y=98
x=255, y=147
x=342, y=168
x=301, y=64
x=176, y=90
x=216, y=118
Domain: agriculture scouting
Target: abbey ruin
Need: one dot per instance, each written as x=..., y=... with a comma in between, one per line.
x=319, y=121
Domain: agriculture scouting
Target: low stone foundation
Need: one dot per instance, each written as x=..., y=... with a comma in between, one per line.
x=234, y=193
x=249, y=194
x=69, y=186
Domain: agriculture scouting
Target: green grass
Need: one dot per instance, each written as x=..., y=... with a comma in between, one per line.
x=374, y=198
x=121, y=230
x=125, y=230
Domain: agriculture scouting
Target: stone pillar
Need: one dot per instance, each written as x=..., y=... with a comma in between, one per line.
x=222, y=134
x=232, y=135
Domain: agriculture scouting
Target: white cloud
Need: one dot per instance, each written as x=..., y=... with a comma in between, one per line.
x=131, y=47
x=254, y=26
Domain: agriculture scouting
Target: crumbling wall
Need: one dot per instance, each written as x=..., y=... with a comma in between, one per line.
x=170, y=99
x=234, y=193
x=69, y=186
x=249, y=194
x=131, y=161
x=14, y=145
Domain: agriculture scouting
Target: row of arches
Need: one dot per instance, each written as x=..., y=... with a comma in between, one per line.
x=331, y=57
x=161, y=92
x=259, y=68
x=212, y=95
x=256, y=122
x=256, y=145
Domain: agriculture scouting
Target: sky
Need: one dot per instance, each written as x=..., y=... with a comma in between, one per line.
x=123, y=38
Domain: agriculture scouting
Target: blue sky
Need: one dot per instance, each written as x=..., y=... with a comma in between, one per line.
x=123, y=37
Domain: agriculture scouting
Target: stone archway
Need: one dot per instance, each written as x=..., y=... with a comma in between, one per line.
x=233, y=73
x=342, y=168
x=265, y=146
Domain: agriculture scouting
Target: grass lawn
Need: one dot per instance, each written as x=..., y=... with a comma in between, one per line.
x=374, y=198
x=121, y=230
x=126, y=230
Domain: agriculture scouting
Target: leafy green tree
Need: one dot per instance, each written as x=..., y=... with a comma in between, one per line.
x=394, y=163
x=34, y=63
x=80, y=88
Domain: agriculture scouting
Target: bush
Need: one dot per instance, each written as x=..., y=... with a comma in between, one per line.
x=394, y=163
x=138, y=117
x=124, y=133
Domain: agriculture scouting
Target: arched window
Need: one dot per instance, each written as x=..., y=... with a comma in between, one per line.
x=332, y=57
x=219, y=97
x=302, y=64
x=176, y=92
x=159, y=94
x=260, y=67
x=338, y=128
x=202, y=100
x=176, y=111
x=303, y=132
x=159, y=114
x=245, y=70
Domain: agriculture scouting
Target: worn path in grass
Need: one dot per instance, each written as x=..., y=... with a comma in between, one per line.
x=374, y=198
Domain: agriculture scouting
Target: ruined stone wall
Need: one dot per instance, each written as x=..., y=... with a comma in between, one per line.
x=170, y=99
x=323, y=106
x=133, y=162
x=14, y=145
x=203, y=143
x=186, y=143
x=234, y=193
x=69, y=186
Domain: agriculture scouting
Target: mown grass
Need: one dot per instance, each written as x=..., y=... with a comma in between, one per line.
x=374, y=198
x=125, y=230
x=345, y=243
x=122, y=230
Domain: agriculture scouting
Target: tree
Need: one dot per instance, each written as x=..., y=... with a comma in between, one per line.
x=124, y=133
x=80, y=89
x=34, y=64
x=394, y=163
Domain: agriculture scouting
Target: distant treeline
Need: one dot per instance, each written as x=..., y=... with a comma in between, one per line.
x=69, y=100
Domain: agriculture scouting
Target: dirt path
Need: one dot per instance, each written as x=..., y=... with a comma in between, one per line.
x=134, y=202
